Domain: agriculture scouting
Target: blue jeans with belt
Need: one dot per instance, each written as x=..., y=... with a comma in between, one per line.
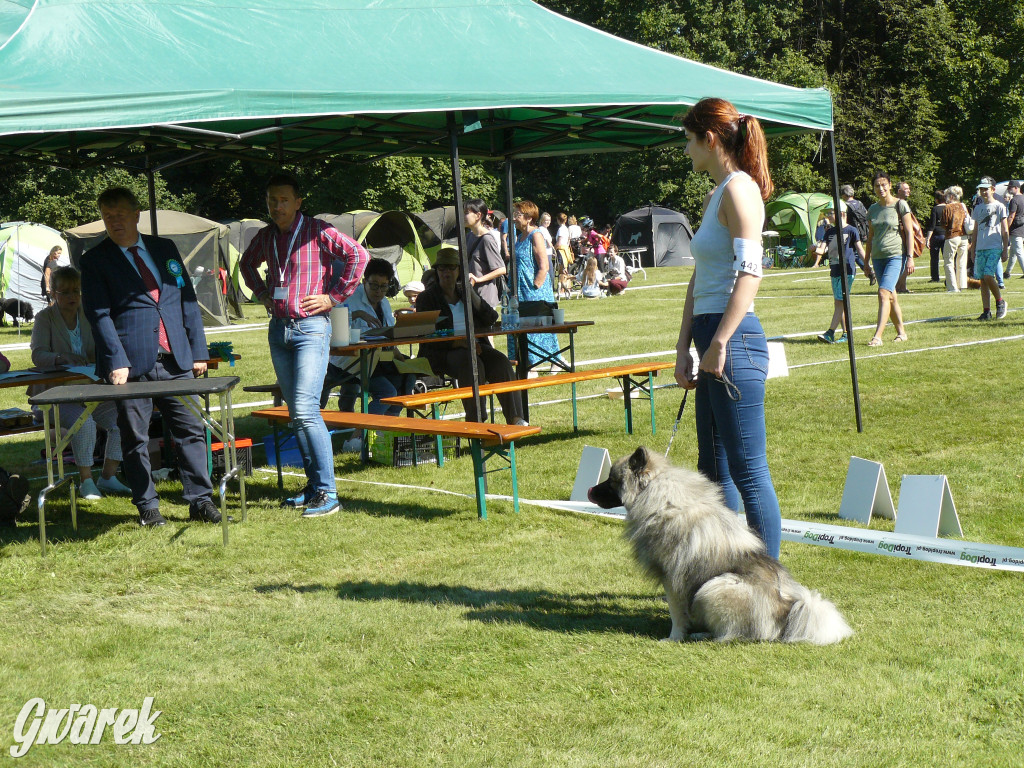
x=299, y=348
x=731, y=438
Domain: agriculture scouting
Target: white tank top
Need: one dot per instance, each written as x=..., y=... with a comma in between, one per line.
x=711, y=249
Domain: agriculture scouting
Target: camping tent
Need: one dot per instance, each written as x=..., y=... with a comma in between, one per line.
x=23, y=249
x=203, y=245
x=391, y=235
x=666, y=234
x=240, y=234
x=795, y=214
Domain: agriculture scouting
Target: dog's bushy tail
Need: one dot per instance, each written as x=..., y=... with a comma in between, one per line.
x=813, y=619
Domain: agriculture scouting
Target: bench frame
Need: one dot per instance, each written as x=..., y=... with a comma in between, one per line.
x=630, y=375
x=486, y=441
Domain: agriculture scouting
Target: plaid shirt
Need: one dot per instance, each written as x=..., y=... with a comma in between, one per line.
x=324, y=262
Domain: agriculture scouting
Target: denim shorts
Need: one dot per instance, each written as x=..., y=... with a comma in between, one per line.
x=888, y=270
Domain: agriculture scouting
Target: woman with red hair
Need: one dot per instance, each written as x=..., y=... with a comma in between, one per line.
x=718, y=316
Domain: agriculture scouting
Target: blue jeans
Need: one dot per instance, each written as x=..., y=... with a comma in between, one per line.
x=299, y=349
x=731, y=439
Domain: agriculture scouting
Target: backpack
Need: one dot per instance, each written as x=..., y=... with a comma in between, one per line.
x=857, y=217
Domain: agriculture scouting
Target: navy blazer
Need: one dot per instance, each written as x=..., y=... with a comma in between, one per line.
x=125, y=319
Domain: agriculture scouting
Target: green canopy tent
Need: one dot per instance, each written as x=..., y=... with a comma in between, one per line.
x=340, y=78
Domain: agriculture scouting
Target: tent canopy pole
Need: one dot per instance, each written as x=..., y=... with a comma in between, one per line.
x=467, y=288
x=846, y=291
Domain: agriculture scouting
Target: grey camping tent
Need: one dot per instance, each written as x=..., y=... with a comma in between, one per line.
x=666, y=234
x=203, y=245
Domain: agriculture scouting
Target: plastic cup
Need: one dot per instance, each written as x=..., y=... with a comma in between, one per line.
x=353, y=335
x=558, y=316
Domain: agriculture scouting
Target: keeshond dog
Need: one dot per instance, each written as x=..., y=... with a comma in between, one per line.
x=719, y=580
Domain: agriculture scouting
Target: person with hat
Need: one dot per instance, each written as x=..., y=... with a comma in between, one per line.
x=990, y=243
x=839, y=268
x=1015, y=224
x=451, y=358
x=411, y=290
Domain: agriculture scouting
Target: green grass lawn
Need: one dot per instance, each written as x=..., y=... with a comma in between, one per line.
x=405, y=632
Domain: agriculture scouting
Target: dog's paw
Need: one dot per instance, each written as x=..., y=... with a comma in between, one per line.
x=672, y=639
x=697, y=637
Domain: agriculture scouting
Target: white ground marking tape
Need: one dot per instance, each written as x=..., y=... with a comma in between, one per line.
x=904, y=546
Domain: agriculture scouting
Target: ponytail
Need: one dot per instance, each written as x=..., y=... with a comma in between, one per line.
x=741, y=135
x=753, y=154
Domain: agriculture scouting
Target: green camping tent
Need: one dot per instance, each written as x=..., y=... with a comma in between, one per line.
x=796, y=214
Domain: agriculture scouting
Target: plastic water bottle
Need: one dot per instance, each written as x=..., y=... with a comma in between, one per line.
x=506, y=318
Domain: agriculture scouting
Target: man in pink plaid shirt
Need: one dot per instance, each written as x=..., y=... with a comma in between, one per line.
x=311, y=267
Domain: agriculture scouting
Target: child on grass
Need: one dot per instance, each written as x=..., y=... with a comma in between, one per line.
x=839, y=271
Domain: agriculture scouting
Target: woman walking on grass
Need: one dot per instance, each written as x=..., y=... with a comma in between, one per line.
x=718, y=316
x=890, y=247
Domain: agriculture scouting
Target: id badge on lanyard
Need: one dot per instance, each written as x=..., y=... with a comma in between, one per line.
x=281, y=291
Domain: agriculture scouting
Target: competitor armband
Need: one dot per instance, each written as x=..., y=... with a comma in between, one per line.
x=748, y=256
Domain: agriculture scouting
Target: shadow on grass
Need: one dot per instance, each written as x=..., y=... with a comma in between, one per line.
x=539, y=609
x=92, y=524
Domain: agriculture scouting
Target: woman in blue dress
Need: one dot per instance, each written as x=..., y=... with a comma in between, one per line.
x=533, y=274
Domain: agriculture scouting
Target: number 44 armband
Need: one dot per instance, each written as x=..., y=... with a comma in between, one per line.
x=748, y=256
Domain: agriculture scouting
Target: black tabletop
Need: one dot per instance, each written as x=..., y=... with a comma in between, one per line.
x=92, y=393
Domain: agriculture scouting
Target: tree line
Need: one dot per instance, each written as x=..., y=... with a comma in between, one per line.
x=931, y=91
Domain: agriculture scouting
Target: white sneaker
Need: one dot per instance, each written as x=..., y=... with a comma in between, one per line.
x=88, y=491
x=111, y=485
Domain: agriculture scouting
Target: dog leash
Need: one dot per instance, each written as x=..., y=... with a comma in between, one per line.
x=679, y=417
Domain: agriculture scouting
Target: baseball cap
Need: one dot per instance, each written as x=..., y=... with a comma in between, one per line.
x=831, y=207
x=984, y=184
x=413, y=286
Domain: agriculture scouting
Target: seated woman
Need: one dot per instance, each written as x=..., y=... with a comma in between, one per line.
x=61, y=337
x=452, y=358
x=369, y=308
x=615, y=274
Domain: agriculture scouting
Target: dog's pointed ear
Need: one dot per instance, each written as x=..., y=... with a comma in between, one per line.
x=638, y=461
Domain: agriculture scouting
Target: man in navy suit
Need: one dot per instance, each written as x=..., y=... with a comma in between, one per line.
x=148, y=327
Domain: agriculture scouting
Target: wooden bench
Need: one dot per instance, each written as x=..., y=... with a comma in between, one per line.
x=485, y=440
x=419, y=401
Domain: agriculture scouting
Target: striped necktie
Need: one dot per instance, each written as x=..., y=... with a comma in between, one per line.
x=153, y=289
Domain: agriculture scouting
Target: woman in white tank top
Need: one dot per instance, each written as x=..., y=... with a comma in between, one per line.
x=718, y=316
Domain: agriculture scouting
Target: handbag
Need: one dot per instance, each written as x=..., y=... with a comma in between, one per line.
x=537, y=308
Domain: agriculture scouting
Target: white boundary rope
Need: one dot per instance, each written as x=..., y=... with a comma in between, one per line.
x=903, y=546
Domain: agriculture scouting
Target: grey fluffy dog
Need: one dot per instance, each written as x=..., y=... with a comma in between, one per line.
x=719, y=581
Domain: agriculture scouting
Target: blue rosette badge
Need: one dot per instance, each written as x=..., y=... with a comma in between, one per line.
x=177, y=271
